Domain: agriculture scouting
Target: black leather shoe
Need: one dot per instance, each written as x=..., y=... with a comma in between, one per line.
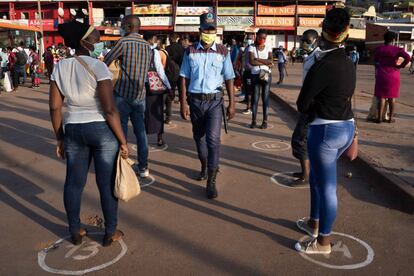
x=253, y=125
x=203, y=173
x=211, y=190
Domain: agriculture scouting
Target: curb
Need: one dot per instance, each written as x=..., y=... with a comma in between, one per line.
x=389, y=181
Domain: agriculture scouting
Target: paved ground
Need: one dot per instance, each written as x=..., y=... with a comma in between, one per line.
x=171, y=229
x=389, y=147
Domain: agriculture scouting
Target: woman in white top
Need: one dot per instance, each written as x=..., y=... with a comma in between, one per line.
x=261, y=60
x=154, y=110
x=91, y=128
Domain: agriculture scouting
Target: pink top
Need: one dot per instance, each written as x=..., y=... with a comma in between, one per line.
x=387, y=73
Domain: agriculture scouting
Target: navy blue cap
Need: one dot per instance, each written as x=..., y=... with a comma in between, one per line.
x=207, y=21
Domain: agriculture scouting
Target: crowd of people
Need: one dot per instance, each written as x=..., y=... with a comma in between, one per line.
x=100, y=105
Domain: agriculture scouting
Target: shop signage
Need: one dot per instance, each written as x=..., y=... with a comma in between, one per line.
x=108, y=31
x=156, y=21
x=192, y=11
x=188, y=20
x=310, y=22
x=235, y=11
x=48, y=24
x=290, y=10
x=153, y=9
x=275, y=21
x=235, y=20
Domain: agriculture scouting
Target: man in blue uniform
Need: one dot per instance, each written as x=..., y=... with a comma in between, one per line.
x=206, y=66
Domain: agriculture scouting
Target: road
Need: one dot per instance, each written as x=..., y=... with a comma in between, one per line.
x=171, y=228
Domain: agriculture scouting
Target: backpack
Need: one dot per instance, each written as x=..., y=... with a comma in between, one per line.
x=172, y=70
x=21, y=57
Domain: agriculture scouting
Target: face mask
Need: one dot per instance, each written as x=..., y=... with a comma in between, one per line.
x=122, y=32
x=308, y=47
x=261, y=41
x=154, y=46
x=208, y=38
x=249, y=41
x=97, y=50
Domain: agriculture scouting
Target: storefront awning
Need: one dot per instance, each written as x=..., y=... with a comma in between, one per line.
x=11, y=26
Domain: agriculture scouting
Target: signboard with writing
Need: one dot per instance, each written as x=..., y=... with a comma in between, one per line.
x=188, y=20
x=310, y=22
x=235, y=10
x=275, y=21
x=48, y=24
x=192, y=11
x=156, y=21
x=235, y=20
x=153, y=9
x=290, y=10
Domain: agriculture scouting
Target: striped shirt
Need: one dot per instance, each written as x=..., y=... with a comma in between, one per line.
x=134, y=54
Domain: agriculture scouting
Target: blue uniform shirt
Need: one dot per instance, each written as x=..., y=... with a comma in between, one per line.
x=206, y=69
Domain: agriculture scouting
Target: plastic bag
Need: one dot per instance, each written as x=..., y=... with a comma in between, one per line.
x=126, y=182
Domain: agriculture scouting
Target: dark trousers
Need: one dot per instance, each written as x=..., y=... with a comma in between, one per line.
x=281, y=67
x=206, y=117
x=300, y=138
x=261, y=88
x=168, y=99
x=247, y=87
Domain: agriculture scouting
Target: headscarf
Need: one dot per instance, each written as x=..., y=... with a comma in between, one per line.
x=73, y=32
x=335, y=26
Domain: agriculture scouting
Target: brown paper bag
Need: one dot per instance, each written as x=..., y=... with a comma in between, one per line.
x=126, y=181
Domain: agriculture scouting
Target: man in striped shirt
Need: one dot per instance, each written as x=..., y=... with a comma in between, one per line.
x=134, y=55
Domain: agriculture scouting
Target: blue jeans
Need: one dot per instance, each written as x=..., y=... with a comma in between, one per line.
x=82, y=143
x=206, y=118
x=281, y=67
x=260, y=88
x=21, y=70
x=326, y=143
x=135, y=109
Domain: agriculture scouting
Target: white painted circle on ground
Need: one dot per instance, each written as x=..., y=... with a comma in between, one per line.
x=152, y=148
x=41, y=258
x=274, y=179
x=147, y=181
x=367, y=261
x=271, y=145
x=269, y=126
x=170, y=126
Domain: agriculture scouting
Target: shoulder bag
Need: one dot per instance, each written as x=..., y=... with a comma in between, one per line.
x=352, y=151
x=154, y=82
x=264, y=75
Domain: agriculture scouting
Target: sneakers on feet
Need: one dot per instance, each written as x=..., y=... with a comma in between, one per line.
x=303, y=225
x=247, y=112
x=144, y=173
x=312, y=246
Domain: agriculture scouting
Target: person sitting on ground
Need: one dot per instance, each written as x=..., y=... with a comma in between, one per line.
x=91, y=129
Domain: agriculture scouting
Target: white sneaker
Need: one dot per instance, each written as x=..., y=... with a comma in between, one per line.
x=303, y=225
x=247, y=112
x=144, y=173
x=312, y=246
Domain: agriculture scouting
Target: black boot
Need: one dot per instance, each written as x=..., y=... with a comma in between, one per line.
x=203, y=172
x=211, y=190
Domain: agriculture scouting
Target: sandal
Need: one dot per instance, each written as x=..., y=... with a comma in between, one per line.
x=109, y=239
x=77, y=237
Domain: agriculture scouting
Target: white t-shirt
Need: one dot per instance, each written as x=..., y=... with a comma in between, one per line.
x=78, y=87
x=264, y=54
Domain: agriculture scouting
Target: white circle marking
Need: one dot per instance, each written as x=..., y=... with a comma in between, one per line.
x=148, y=184
x=272, y=178
x=41, y=256
x=152, y=148
x=367, y=261
x=286, y=145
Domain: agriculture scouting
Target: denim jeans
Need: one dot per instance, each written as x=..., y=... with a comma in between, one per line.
x=281, y=67
x=206, y=117
x=21, y=71
x=135, y=109
x=326, y=143
x=247, y=87
x=260, y=88
x=84, y=142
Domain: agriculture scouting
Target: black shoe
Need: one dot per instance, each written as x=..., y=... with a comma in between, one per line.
x=203, y=173
x=167, y=121
x=264, y=125
x=253, y=125
x=109, y=239
x=77, y=237
x=211, y=190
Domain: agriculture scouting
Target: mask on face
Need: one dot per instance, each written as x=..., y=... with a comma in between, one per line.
x=97, y=50
x=154, y=46
x=308, y=47
x=122, y=32
x=249, y=42
x=208, y=38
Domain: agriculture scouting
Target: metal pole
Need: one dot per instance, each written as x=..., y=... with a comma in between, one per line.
x=296, y=24
x=41, y=48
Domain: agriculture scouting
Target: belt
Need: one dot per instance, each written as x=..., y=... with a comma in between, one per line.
x=205, y=96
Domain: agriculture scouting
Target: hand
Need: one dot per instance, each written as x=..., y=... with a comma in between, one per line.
x=124, y=151
x=185, y=112
x=171, y=93
x=271, y=65
x=60, y=150
x=231, y=112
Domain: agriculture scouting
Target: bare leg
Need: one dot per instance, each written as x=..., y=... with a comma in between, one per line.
x=305, y=164
x=324, y=240
x=381, y=106
x=314, y=224
x=391, y=104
